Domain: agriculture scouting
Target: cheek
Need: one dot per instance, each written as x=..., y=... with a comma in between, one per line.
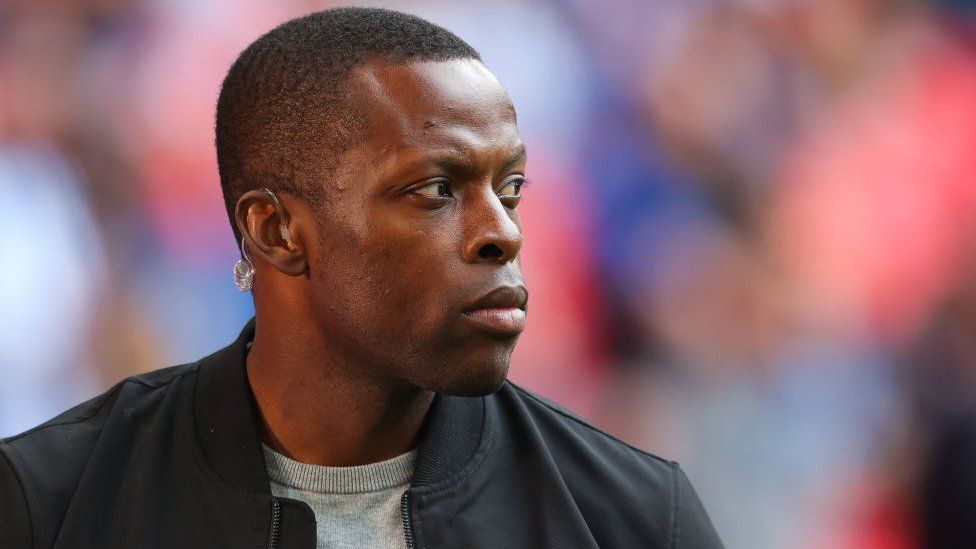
x=393, y=279
x=412, y=271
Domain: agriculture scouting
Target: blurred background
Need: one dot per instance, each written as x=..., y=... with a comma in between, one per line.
x=751, y=237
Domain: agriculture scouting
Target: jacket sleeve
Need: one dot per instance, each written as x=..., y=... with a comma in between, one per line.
x=692, y=527
x=15, y=528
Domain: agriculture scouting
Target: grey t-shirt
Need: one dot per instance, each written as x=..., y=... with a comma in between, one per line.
x=354, y=506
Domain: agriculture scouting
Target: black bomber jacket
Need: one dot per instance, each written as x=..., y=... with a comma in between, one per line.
x=172, y=459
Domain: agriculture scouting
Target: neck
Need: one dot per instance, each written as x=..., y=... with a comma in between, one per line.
x=316, y=408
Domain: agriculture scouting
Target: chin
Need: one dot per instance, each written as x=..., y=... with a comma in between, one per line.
x=484, y=379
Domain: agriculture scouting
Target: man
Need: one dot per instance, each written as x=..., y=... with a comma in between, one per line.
x=372, y=170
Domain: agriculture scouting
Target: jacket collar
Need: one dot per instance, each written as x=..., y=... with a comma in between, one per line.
x=226, y=420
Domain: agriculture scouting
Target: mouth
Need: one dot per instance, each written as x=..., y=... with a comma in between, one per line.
x=501, y=311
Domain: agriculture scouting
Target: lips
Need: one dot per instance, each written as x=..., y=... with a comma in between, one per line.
x=503, y=297
x=501, y=310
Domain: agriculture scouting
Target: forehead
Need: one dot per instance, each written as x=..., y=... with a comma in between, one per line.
x=455, y=105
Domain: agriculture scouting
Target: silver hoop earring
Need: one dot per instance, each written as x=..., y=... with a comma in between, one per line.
x=244, y=270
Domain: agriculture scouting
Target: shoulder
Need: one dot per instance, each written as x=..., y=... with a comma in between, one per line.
x=564, y=430
x=90, y=414
x=607, y=476
x=41, y=468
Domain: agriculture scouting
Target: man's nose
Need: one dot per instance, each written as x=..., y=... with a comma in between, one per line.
x=492, y=235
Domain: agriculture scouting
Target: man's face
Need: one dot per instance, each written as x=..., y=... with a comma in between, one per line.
x=416, y=277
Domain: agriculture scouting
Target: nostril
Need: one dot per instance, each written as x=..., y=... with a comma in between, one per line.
x=490, y=251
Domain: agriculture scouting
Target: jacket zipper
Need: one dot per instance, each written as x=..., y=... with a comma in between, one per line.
x=405, y=515
x=275, y=523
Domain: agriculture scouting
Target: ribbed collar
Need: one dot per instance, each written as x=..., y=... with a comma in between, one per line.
x=226, y=419
x=371, y=477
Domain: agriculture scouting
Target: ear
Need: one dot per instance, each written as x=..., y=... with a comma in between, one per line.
x=261, y=225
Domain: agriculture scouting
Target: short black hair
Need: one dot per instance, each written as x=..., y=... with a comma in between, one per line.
x=282, y=115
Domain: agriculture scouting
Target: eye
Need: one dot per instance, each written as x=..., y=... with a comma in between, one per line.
x=440, y=188
x=511, y=190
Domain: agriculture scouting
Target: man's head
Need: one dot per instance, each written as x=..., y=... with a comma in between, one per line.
x=397, y=157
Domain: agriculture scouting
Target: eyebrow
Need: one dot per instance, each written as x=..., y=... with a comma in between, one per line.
x=515, y=158
x=453, y=159
x=448, y=159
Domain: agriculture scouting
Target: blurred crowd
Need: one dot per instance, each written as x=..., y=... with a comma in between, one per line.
x=751, y=233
